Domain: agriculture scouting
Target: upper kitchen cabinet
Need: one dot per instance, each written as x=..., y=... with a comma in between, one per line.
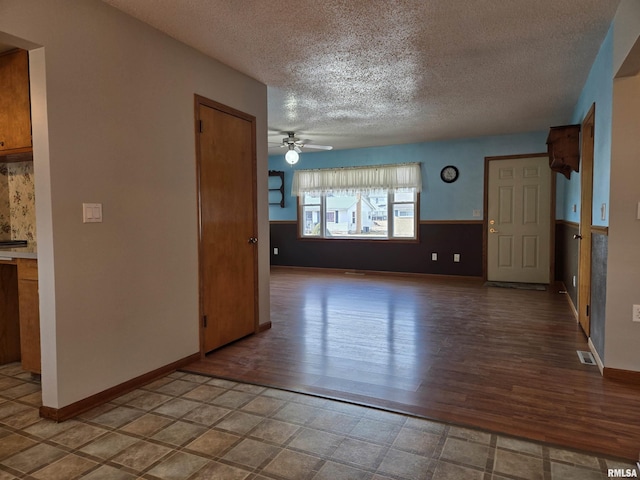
x=15, y=107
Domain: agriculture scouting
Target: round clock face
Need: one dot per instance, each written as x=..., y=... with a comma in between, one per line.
x=449, y=174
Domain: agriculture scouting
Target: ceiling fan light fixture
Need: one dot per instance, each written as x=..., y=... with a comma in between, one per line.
x=291, y=156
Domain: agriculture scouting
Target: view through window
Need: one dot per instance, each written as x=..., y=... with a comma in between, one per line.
x=367, y=215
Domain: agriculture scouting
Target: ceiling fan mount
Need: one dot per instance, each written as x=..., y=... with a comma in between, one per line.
x=291, y=142
x=294, y=146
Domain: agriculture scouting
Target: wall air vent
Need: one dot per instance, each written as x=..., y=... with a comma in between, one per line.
x=586, y=357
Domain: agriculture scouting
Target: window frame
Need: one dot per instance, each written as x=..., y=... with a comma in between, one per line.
x=390, y=225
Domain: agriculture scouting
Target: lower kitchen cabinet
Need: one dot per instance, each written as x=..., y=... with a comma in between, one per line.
x=9, y=314
x=28, y=301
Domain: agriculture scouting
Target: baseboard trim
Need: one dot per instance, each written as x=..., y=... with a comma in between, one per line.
x=81, y=406
x=625, y=376
x=353, y=271
x=594, y=352
x=264, y=326
x=573, y=307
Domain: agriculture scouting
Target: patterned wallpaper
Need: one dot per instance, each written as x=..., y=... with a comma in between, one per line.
x=17, y=202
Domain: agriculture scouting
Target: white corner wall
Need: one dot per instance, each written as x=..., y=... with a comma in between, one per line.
x=120, y=298
x=623, y=264
x=626, y=28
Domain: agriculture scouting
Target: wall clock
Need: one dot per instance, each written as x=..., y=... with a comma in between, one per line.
x=449, y=174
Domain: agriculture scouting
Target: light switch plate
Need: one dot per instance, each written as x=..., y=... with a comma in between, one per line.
x=91, y=212
x=456, y=257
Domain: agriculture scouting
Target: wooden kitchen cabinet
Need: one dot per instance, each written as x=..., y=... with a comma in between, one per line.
x=28, y=301
x=9, y=314
x=15, y=105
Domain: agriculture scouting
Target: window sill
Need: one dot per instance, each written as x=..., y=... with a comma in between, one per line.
x=359, y=240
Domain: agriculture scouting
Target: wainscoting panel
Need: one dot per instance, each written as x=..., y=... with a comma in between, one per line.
x=599, y=252
x=445, y=239
x=567, y=257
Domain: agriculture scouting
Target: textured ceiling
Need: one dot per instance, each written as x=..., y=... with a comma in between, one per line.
x=377, y=72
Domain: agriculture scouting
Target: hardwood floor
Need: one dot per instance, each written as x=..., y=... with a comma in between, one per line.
x=447, y=349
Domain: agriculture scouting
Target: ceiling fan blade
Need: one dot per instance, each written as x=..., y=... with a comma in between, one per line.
x=318, y=147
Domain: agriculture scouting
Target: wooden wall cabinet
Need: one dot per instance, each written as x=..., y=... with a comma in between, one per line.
x=15, y=104
x=9, y=314
x=276, y=188
x=563, y=144
x=28, y=301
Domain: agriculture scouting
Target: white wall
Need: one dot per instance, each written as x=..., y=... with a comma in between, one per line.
x=120, y=298
x=623, y=262
x=623, y=278
x=627, y=28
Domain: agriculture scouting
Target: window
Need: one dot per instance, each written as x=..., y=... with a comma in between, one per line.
x=369, y=204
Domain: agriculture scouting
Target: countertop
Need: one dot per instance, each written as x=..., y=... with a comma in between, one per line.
x=28, y=251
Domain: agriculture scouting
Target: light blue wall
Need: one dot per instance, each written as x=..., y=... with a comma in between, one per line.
x=599, y=90
x=439, y=201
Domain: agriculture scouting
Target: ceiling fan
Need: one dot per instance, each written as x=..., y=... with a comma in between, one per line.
x=294, y=147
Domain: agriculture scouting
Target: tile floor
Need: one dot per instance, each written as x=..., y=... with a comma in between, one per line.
x=191, y=427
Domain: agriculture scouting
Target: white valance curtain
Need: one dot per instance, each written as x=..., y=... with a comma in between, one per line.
x=351, y=180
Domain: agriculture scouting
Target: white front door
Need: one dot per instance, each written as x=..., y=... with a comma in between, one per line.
x=519, y=220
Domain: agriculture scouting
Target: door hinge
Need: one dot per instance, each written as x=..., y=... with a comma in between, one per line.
x=204, y=321
x=200, y=126
x=588, y=309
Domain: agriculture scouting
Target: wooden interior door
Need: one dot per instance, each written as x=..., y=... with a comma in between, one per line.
x=518, y=207
x=586, y=208
x=228, y=223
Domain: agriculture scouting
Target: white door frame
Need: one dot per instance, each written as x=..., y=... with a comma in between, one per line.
x=485, y=223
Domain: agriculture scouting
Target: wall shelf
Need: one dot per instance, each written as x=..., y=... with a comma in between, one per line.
x=563, y=145
x=276, y=188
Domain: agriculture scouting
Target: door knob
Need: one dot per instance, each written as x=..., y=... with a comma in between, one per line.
x=493, y=230
x=253, y=240
x=577, y=237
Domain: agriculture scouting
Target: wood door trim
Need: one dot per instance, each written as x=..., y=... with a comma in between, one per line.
x=485, y=220
x=203, y=101
x=515, y=157
x=586, y=218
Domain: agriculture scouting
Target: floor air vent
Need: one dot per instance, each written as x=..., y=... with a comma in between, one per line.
x=586, y=358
